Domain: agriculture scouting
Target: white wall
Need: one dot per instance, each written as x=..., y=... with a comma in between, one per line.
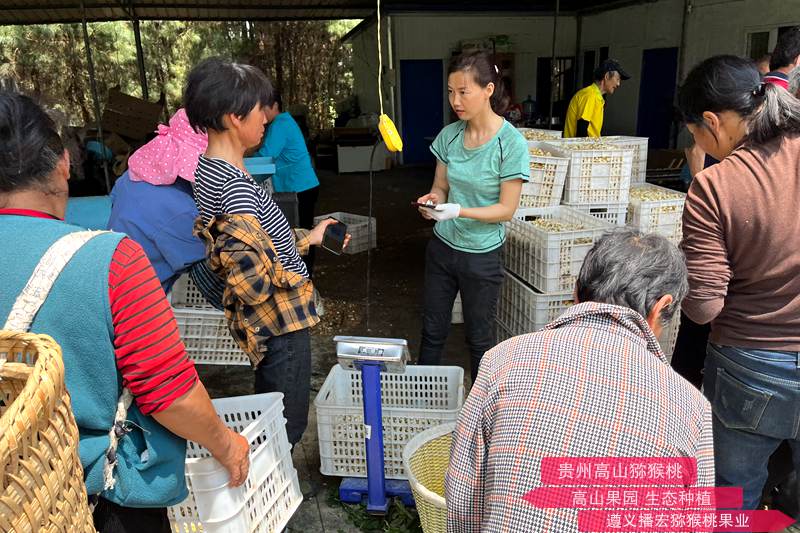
x=721, y=26
x=713, y=27
x=436, y=36
x=628, y=32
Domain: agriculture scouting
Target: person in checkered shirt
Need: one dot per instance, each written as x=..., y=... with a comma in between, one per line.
x=593, y=383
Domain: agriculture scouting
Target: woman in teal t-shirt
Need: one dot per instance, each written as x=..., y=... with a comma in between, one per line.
x=481, y=163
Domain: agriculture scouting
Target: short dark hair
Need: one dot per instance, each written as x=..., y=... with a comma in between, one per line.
x=30, y=147
x=217, y=87
x=633, y=269
x=484, y=71
x=786, y=50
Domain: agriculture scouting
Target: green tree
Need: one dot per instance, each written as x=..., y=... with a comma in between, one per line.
x=306, y=60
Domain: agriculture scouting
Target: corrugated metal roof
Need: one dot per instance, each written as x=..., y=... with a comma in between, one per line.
x=52, y=11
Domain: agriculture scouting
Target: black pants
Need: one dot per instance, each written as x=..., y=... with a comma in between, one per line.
x=286, y=368
x=306, y=201
x=112, y=518
x=478, y=277
x=689, y=356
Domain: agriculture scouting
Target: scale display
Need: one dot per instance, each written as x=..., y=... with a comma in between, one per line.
x=392, y=353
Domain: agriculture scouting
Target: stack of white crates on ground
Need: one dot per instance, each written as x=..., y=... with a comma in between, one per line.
x=603, y=178
x=203, y=329
x=655, y=209
x=598, y=177
x=544, y=250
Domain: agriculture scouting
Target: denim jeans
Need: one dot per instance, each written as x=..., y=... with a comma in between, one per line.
x=478, y=277
x=286, y=368
x=755, y=396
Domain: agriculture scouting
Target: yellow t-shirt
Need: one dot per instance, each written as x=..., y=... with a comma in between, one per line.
x=587, y=104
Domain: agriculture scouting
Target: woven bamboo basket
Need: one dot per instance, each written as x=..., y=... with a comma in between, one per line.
x=426, y=457
x=41, y=479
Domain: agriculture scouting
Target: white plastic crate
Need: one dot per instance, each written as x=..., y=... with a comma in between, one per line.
x=358, y=228
x=601, y=176
x=207, y=338
x=669, y=335
x=613, y=214
x=186, y=294
x=549, y=261
x=458, y=312
x=546, y=184
x=270, y=495
x=501, y=332
x=536, y=134
x=419, y=398
x=639, y=145
x=521, y=309
x=657, y=216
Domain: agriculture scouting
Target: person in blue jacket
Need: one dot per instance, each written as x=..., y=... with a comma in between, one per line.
x=152, y=203
x=284, y=142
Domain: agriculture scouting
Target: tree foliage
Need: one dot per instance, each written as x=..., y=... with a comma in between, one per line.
x=306, y=60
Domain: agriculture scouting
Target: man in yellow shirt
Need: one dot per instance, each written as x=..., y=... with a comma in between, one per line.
x=585, y=111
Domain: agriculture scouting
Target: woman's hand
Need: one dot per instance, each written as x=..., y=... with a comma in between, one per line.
x=430, y=198
x=235, y=457
x=445, y=212
x=318, y=233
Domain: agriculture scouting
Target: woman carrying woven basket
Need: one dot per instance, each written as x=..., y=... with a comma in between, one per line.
x=120, y=343
x=481, y=162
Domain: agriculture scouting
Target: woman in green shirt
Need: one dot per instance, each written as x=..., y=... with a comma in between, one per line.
x=482, y=161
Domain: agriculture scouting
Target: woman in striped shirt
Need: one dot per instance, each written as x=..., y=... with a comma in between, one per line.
x=226, y=100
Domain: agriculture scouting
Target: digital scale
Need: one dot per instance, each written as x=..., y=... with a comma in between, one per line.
x=372, y=356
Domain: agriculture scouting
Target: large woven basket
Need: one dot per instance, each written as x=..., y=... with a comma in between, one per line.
x=41, y=479
x=426, y=457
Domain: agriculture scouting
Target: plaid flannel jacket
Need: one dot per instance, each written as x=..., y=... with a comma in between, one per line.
x=261, y=298
x=593, y=383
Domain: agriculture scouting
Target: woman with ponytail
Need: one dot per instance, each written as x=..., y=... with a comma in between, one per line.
x=742, y=244
x=481, y=162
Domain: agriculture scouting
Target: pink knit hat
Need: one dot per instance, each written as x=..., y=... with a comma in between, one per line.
x=174, y=152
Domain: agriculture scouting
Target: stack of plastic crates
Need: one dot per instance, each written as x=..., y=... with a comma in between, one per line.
x=547, y=175
x=639, y=145
x=270, y=495
x=598, y=178
x=203, y=329
x=543, y=254
x=362, y=233
x=654, y=209
x=536, y=135
x=419, y=398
